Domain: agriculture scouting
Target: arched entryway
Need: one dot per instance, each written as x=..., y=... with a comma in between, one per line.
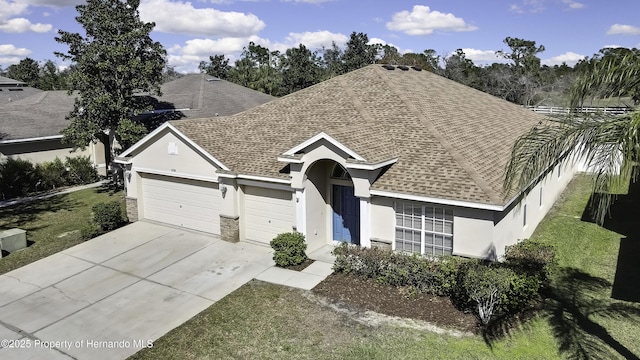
x=332, y=211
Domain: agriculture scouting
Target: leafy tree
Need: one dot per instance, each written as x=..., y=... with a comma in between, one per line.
x=358, y=52
x=300, y=69
x=523, y=54
x=257, y=69
x=332, y=59
x=525, y=69
x=27, y=70
x=610, y=144
x=50, y=77
x=113, y=60
x=217, y=66
x=460, y=69
x=169, y=73
x=390, y=55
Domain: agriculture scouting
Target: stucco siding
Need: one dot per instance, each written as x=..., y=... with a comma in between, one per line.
x=41, y=151
x=183, y=160
x=473, y=232
x=382, y=219
x=510, y=225
x=169, y=155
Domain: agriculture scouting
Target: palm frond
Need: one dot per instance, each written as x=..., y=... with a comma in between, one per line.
x=610, y=76
x=609, y=145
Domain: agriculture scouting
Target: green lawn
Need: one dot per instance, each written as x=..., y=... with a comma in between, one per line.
x=52, y=224
x=580, y=320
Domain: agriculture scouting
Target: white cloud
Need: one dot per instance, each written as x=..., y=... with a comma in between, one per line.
x=182, y=18
x=10, y=9
x=308, y=1
x=528, y=6
x=421, y=20
x=612, y=46
x=51, y=3
x=619, y=29
x=6, y=60
x=570, y=58
x=315, y=39
x=186, y=57
x=482, y=56
x=573, y=5
x=207, y=47
x=20, y=25
x=10, y=49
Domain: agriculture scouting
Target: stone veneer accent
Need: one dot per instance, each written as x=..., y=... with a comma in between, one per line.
x=230, y=228
x=381, y=244
x=132, y=209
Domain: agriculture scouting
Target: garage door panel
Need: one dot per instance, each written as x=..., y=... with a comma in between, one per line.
x=268, y=212
x=187, y=203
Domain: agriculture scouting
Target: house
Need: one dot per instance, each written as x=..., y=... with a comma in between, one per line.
x=32, y=124
x=382, y=156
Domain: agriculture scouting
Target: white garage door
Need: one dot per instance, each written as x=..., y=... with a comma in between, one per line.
x=187, y=203
x=268, y=213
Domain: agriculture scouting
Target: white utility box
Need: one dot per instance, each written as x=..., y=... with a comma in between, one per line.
x=13, y=239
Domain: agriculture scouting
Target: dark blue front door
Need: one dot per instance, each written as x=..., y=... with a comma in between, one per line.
x=346, y=214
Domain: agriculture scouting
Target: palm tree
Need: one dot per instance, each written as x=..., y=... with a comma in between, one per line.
x=610, y=144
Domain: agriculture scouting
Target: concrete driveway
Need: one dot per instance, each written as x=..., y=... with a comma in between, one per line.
x=117, y=293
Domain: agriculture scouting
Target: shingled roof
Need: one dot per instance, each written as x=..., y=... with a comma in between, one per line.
x=43, y=113
x=12, y=90
x=451, y=141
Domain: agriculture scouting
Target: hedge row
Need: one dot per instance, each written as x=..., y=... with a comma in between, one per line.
x=502, y=287
x=21, y=177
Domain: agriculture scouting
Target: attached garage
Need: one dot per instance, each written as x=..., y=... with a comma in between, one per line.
x=268, y=212
x=182, y=202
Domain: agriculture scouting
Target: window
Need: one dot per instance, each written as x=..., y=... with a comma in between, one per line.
x=424, y=229
x=524, y=215
x=541, y=196
x=340, y=173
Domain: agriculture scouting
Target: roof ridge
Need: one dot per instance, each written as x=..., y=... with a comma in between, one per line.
x=457, y=157
x=359, y=105
x=42, y=96
x=201, y=98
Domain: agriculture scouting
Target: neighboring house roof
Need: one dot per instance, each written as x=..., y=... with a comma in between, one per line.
x=39, y=115
x=205, y=96
x=43, y=114
x=451, y=141
x=12, y=90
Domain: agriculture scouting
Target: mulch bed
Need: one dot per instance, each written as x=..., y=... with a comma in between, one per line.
x=368, y=294
x=300, y=267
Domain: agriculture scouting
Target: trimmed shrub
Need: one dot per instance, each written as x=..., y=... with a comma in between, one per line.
x=89, y=230
x=487, y=286
x=51, y=174
x=532, y=258
x=523, y=289
x=289, y=249
x=108, y=216
x=424, y=275
x=80, y=170
x=17, y=178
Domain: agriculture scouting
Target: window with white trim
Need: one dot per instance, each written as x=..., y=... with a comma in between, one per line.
x=426, y=230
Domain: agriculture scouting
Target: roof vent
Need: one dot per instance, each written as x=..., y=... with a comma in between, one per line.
x=416, y=68
x=403, y=67
x=389, y=67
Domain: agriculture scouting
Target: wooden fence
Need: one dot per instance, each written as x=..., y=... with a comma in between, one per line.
x=555, y=110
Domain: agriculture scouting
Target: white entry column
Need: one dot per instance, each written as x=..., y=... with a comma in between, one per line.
x=365, y=222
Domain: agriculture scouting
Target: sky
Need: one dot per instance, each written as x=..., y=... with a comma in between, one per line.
x=191, y=31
